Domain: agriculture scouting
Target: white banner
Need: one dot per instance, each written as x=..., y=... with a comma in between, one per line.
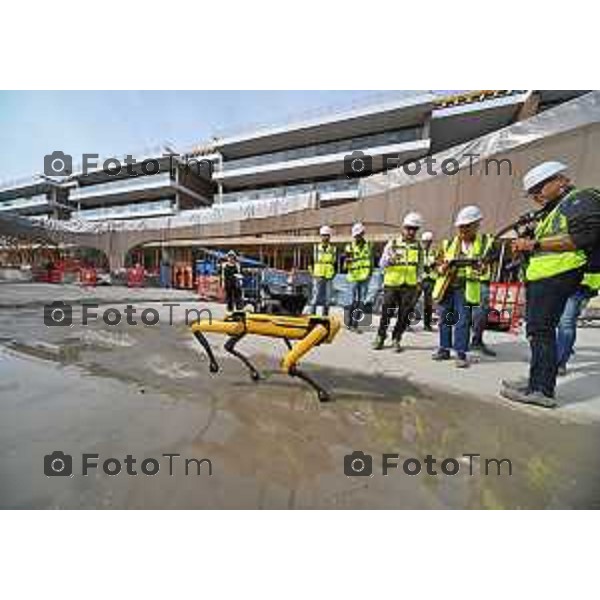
x=219, y=213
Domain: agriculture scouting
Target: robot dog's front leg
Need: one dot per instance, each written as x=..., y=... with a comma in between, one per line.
x=298, y=350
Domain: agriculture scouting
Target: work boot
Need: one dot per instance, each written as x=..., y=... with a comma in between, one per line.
x=441, y=354
x=483, y=349
x=521, y=384
x=462, y=362
x=378, y=343
x=536, y=398
x=561, y=370
x=397, y=346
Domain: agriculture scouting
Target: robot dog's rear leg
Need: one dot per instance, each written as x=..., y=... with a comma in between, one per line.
x=213, y=364
x=294, y=371
x=230, y=347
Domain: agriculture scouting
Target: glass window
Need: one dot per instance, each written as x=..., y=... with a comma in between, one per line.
x=348, y=145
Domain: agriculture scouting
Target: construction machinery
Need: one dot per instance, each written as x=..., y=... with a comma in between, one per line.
x=307, y=331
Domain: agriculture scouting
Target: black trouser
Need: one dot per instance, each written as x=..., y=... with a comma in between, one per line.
x=233, y=296
x=401, y=301
x=427, y=303
x=546, y=301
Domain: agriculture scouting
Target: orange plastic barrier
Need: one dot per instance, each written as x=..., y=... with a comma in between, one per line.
x=55, y=276
x=209, y=288
x=88, y=276
x=135, y=277
x=507, y=306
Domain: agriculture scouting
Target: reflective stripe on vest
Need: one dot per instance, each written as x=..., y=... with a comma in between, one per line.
x=324, y=261
x=404, y=272
x=592, y=281
x=472, y=280
x=360, y=267
x=543, y=265
x=486, y=272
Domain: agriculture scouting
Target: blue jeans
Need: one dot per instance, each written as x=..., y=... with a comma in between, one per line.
x=360, y=290
x=455, y=321
x=480, y=314
x=566, y=332
x=322, y=290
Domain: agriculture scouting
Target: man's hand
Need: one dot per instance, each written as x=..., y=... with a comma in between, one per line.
x=443, y=268
x=523, y=245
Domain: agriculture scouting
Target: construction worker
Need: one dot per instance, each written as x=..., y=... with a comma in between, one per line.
x=231, y=275
x=565, y=238
x=428, y=278
x=480, y=313
x=323, y=271
x=359, y=262
x=402, y=264
x=566, y=333
x=458, y=287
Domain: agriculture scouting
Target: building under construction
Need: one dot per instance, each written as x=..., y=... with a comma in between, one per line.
x=267, y=192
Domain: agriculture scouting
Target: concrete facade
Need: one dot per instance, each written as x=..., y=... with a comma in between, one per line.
x=438, y=199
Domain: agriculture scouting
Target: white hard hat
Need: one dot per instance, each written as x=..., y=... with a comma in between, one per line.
x=413, y=219
x=427, y=236
x=542, y=172
x=468, y=215
x=325, y=230
x=357, y=229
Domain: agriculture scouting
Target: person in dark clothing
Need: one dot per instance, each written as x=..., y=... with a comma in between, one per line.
x=231, y=274
x=565, y=237
x=429, y=255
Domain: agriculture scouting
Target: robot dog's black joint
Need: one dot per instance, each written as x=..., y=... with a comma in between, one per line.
x=324, y=321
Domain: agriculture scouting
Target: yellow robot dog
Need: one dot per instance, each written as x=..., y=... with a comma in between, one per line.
x=309, y=331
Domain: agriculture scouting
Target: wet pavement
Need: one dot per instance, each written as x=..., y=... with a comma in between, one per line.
x=146, y=391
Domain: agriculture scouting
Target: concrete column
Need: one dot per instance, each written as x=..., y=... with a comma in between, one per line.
x=116, y=260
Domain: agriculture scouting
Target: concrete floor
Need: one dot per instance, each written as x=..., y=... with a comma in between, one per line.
x=147, y=391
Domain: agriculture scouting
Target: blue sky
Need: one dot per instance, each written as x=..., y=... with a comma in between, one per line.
x=33, y=124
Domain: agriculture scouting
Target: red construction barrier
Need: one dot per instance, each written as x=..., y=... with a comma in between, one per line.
x=507, y=306
x=55, y=276
x=209, y=288
x=88, y=276
x=135, y=276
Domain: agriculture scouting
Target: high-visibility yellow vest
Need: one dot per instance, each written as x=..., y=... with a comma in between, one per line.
x=592, y=281
x=486, y=269
x=325, y=258
x=359, y=269
x=429, y=256
x=451, y=250
x=404, y=269
x=543, y=265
